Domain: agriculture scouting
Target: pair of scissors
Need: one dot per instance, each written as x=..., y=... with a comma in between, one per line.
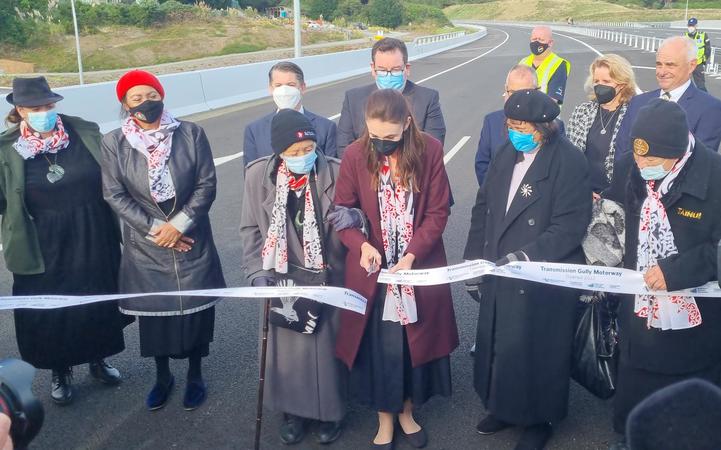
x=372, y=268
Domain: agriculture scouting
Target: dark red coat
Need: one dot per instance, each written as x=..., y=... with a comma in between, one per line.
x=434, y=335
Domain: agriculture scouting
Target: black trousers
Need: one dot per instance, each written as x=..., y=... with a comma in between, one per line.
x=634, y=385
x=699, y=79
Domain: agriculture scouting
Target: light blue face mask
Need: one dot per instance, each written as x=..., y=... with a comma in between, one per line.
x=523, y=142
x=43, y=121
x=301, y=165
x=397, y=82
x=654, y=173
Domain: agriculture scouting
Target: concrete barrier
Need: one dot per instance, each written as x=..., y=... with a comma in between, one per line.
x=203, y=90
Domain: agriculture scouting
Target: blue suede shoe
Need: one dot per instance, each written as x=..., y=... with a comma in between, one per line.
x=195, y=394
x=158, y=396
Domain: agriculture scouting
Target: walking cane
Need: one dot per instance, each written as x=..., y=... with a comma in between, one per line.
x=261, y=381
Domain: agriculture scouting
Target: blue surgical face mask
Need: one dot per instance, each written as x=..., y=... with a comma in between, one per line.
x=523, y=142
x=301, y=165
x=43, y=121
x=654, y=173
x=397, y=82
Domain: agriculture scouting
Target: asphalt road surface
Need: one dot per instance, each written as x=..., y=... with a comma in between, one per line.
x=115, y=418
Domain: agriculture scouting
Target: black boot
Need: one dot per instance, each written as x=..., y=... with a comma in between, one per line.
x=104, y=372
x=62, y=392
x=292, y=430
x=329, y=432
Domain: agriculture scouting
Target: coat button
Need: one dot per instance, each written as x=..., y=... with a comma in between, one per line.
x=488, y=211
x=485, y=244
x=522, y=292
x=531, y=222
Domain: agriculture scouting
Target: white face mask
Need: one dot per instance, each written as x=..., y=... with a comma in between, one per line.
x=692, y=30
x=286, y=97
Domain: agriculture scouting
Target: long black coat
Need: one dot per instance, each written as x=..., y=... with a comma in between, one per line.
x=525, y=329
x=694, y=211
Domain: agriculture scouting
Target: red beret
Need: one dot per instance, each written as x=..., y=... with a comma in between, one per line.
x=137, y=78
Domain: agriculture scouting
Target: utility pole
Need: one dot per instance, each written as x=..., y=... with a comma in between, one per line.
x=686, y=16
x=77, y=42
x=296, y=28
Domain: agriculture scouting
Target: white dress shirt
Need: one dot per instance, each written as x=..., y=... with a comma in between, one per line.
x=519, y=171
x=678, y=92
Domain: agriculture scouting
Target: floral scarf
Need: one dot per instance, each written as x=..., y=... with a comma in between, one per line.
x=155, y=145
x=396, y=210
x=275, y=249
x=29, y=145
x=656, y=241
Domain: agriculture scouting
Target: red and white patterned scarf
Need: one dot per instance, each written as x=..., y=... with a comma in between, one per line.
x=29, y=145
x=155, y=145
x=396, y=209
x=655, y=242
x=275, y=249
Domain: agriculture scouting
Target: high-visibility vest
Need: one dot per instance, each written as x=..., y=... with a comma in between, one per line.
x=548, y=67
x=700, y=41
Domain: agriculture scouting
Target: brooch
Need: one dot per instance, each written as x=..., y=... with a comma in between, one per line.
x=526, y=190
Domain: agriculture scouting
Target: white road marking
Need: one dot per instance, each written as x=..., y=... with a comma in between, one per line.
x=643, y=67
x=456, y=148
x=224, y=159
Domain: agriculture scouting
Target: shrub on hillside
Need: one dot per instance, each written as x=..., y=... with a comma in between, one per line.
x=417, y=13
x=385, y=13
x=325, y=8
x=351, y=11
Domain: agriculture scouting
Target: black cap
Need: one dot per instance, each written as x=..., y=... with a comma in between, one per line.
x=692, y=22
x=288, y=127
x=531, y=105
x=32, y=92
x=660, y=129
x=683, y=416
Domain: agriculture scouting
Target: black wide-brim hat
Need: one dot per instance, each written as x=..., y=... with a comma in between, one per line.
x=32, y=92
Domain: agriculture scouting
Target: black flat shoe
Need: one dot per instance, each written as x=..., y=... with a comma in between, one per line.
x=159, y=395
x=535, y=437
x=104, y=372
x=195, y=394
x=389, y=446
x=490, y=425
x=328, y=432
x=61, y=387
x=419, y=439
x=292, y=430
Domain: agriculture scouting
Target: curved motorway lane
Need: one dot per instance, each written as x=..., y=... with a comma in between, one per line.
x=115, y=418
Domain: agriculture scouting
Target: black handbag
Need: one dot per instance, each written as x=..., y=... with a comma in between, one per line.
x=298, y=313
x=595, y=348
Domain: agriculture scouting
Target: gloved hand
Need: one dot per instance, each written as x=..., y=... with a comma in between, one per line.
x=473, y=287
x=342, y=218
x=512, y=257
x=263, y=281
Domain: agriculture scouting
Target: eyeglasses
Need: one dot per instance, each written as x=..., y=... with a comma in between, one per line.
x=385, y=73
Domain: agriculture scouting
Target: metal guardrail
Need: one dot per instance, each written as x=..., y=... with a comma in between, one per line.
x=644, y=43
x=422, y=40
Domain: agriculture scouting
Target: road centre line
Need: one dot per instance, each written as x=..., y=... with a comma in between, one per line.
x=456, y=148
x=224, y=159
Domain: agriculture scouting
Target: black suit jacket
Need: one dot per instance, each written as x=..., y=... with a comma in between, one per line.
x=425, y=106
x=694, y=211
x=256, y=138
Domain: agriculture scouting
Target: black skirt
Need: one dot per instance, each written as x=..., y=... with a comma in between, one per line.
x=634, y=385
x=178, y=337
x=80, y=245
x=383, y=377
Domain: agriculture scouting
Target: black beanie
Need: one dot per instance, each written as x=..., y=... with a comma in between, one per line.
x=531, y=105
x=288, y=127
x=660, y=129
x=683, y=416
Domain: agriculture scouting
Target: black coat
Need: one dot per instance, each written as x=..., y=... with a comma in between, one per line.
x=694, y=211
x=525, y=329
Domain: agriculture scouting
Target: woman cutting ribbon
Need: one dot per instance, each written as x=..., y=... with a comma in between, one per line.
x=671, y=192
x=398, y=352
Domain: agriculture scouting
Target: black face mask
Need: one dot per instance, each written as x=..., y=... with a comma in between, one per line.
x=385, y=147
x=149, y=111
x=604, y=94
x=538, y=47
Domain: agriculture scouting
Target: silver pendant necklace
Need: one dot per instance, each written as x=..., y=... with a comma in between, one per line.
x=55, y=171
x=604, y=126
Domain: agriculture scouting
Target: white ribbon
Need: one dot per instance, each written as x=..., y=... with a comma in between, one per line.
x=576, y=276
x=334, y=296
